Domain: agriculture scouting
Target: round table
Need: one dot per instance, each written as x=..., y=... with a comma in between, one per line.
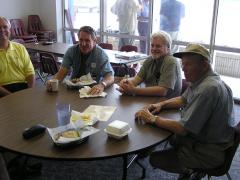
x=25, y=108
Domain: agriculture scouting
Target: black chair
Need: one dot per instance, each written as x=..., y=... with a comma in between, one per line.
x=224, y=168
x=49, y=64
x=34, y=56
x=129, y=48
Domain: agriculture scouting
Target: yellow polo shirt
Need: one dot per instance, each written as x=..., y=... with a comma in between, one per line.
x=15, y=64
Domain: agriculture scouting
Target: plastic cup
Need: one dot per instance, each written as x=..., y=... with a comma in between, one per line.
x=63, y=113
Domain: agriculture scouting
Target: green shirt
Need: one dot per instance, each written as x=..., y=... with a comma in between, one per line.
x=164, y=72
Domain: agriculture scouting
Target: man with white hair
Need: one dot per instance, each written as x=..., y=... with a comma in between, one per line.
x=16, y=69
x=161, y=72
x=205, y=129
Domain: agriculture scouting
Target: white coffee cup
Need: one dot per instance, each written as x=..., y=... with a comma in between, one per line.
x=53, y=85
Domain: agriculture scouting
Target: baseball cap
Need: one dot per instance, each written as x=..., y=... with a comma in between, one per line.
x=194, y=49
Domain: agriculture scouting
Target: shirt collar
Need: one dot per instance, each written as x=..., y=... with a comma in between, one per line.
x=10, y=46
x=208, y=73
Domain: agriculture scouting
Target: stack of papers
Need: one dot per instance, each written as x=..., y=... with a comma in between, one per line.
x=127, y=55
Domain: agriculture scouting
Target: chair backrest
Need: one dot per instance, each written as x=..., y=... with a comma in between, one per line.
x=129, y=48
x=230, y=152
x=20, y=41
x=34, y=23
x=106, y=46
x=48, y=63
x=17, y=27
x=123, y=70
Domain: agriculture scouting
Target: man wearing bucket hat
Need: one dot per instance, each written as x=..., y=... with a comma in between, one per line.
x=205, y=129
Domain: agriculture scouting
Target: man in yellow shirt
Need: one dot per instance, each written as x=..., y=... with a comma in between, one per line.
x=16, y=69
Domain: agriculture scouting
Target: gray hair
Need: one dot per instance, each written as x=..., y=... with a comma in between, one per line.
x=163, y=36
x=6, y=20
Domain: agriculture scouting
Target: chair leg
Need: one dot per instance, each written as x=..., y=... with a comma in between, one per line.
x=39, y=75
x=143, y=169
x=135, y=158
x=228, y=176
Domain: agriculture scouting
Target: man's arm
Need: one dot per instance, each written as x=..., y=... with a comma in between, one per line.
x=61, y=74
x=173, y=103
x=30, y=80
x=129, y=86
x=150, y=91
x=171, y=125
x=147, y=115
x=108, y=80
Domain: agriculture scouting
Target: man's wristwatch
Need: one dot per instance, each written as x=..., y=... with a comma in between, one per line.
x=104, y=84
x=153, y=119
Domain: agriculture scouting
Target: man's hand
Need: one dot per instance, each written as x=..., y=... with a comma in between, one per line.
x=144, y=115
x=126, y=87
x=154, y=108
x=97, y=89
x=48, y=86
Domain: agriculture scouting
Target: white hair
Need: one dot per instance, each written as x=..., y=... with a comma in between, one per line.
x=163, y=36
x=6, y=20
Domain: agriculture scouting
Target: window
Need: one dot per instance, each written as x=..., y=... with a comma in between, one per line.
x=83, y=13
x=186, y=21
x=227, y=26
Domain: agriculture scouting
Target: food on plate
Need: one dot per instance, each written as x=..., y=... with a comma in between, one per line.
x=85, y=117
x=75, y=80
x=70, y=134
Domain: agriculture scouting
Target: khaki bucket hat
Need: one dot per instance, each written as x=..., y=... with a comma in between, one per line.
x=194, y=49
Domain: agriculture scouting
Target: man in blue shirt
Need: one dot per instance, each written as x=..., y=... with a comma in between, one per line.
x=171, y=13
x=87, y=57
x=143, y=19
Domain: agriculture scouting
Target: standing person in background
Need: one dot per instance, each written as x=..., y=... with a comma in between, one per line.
x=16, y=69
x=143, y=19
x=171, y=13
x=126, y=11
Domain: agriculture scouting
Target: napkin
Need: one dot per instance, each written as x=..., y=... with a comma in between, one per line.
x=84, y=93
x=102, y=113
x=88, y=119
